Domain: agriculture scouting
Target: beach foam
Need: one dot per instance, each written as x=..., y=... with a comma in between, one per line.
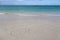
x=26, y=15
x=53, y=15
x=1, y=13
x=20, y=14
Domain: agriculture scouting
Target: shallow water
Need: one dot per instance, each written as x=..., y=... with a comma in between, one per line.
x=30, y=9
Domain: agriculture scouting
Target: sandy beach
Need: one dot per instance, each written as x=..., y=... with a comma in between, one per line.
x=13, y=27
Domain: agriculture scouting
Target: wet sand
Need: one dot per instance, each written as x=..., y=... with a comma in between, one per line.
x=29, y=27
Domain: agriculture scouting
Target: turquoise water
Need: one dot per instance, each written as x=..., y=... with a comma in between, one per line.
x=33, y=9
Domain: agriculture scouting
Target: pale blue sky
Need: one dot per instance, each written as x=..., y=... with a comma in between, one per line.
x=29, y=2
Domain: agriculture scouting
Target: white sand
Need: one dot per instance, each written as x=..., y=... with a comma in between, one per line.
x=28, y=28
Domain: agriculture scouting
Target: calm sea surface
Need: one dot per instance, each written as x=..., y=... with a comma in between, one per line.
x=32, y=9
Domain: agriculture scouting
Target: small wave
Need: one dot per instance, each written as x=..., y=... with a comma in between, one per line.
x=6, y=13
x=49, y=14
x=1, y=13
x=53, y=14
x=26, y=15
x=19, y=14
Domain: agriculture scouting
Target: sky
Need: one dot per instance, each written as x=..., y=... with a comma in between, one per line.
x=29, y=2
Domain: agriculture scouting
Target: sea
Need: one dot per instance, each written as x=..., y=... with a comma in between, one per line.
x=30, y=9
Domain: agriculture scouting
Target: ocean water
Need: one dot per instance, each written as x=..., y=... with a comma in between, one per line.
x=36, y=9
